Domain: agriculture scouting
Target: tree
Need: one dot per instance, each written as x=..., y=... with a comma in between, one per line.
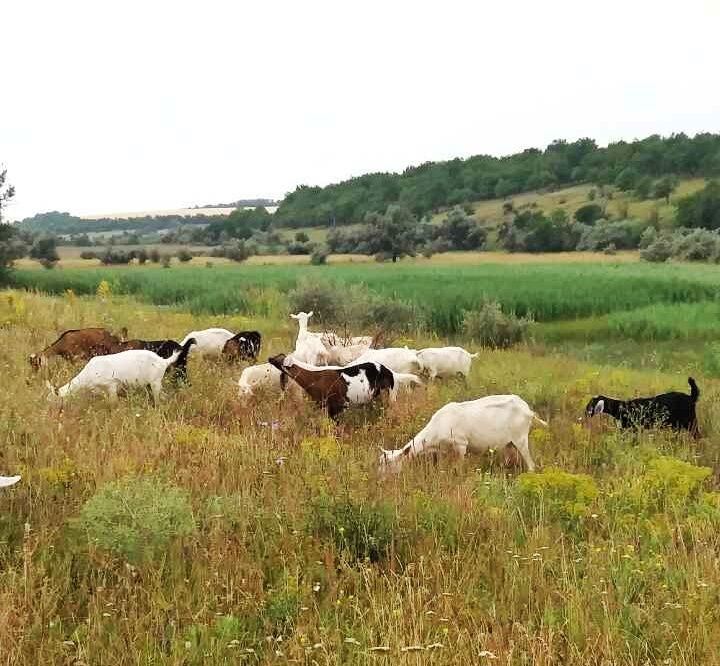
x=701, y=209
x=11, y=243
x=392, y=235
x=665, y=187
x=460, y=231
x=643, y=187
x=589, y=213
x=626, y=179
x=44, y=250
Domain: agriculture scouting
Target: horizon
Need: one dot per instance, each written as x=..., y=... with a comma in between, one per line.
x=190, y=110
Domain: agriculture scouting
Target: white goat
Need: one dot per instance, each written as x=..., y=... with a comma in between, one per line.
x=261, y=377
x=132, y=368
x=478, y=425
x=209, y=342
x=308, y=346
x=397, y=359
x=445, y=361
x=343, y=355
x=6, y=481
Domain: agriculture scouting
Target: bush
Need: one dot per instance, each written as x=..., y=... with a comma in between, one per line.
x=325, y=299
x=698, y=245
x=701, y=209
x=363, y=530
x=142, y=256
x=389, y=315
x=624, y=235
x=184, y=255
x=116, y=257
x=136, y=518
x=669, y=482
x=154, y=256
x=165, y=261
x=659, y=251
x=589, y=214
x=319, y=257
x=558, y=494
x=88, y=254
x=491, y=327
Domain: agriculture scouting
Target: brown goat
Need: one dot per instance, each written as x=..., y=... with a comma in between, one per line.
x=335, y=389
x=83, y=343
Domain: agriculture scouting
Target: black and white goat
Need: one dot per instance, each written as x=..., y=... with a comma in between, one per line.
x=243, y=346
x=669, y=410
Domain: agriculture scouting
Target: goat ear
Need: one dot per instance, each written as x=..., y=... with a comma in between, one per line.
x=293, y=316
x=599, y=407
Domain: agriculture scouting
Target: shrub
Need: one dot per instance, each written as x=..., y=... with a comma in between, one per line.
x=363, y=530
x=491, y=327
x=237, y=252
x=319, y=257
x=669, y=482
x=389, y=315
x=588, y=214
x=325, y=299
x=610, y=249
x=142, y=256
x=184, y=255
x=136, y=518
x=88, y=254
x=648, y=237
x=165, y=261
x=116, y=257
x=660, y=250
x=558, y=494
x=698, y=245
x=154, y=256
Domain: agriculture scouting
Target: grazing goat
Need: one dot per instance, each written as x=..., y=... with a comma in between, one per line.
x=445, y=361
x=164, y=348
x=210, y=341
x=243, y=346
x=336, y=388
x=345, y=354
x=6, y=481
x=263, y=376
x=478, y=425
x=308, y=346
x=674, y=410
x=398, y=359
x=132, y=368
x=83, y=343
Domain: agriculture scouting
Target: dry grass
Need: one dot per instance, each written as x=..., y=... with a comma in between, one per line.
x=472, y=573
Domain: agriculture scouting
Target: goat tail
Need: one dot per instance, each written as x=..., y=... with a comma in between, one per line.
x=181, y=353
x=694, y=390
x=475, y=355
x=539, y=421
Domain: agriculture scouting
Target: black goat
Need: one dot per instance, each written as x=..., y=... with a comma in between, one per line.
x=177, y=372
x=674, y=410
x=243, y=346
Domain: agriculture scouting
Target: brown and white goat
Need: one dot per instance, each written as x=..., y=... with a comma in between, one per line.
x=336, y=388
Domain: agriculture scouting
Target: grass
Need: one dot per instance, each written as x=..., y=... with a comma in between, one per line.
x=608, y=556
x=546, y=291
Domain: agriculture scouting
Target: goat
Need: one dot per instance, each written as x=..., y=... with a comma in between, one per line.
x=260, y=377
x=445, y=361
x=308, y=346
x=492, y=422
x=345, y=354
x=135, y=367
x=6, y=481
x=210, y=341
x=336, y=388
x=398, y=359
x=243, y=346
x=164, y=348
x=82, y=343
x=674, y=410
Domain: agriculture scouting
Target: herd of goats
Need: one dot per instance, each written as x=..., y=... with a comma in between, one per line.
x=337, y=372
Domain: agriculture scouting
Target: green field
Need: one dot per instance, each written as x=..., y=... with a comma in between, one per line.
x=200, y=533
x=440, y=292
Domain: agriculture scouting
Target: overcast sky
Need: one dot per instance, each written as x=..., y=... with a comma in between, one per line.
x=126, y=106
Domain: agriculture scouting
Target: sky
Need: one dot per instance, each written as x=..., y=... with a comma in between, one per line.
x=129, y=106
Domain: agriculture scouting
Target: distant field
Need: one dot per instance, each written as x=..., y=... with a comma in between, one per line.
x=166, y=211
x=441, y=291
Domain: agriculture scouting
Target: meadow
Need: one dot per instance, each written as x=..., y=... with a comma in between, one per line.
x=204, y=531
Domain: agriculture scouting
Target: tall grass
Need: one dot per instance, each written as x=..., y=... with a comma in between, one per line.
x=300, y=554
x=546, y=292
